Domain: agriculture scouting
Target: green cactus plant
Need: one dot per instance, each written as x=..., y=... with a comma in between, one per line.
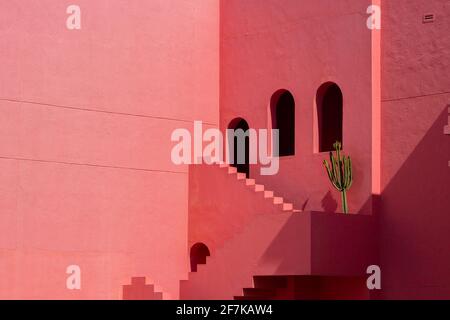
x=340, y=173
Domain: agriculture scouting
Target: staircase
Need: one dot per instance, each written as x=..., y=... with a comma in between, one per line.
x=265, y=288
x=306, y=287
x=269, y=195
x=262, y=248
x=267, y=210
x=222, y=201
x=233, y=265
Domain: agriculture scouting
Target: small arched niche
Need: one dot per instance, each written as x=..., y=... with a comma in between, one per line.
x=198, y=254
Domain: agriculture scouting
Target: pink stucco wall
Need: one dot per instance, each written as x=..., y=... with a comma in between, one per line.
x=85, y=121
x=415, y=198
x=298, y=47
x=86, y=118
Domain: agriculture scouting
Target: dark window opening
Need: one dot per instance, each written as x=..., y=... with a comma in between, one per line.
x=283, y=119
x=329, y=114
x=237, y=124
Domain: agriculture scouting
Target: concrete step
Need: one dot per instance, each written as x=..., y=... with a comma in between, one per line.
x=287, y=206
x=241, y=176
x=268, y=194
x=259, y=187
x=232, y=170
x=244, y=298
x=277, y=200
x=259, y=292
x=270, y=282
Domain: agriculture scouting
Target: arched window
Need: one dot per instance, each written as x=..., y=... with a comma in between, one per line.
x=241, y=156
x=198, y=254
x=282, y=109
x=329, y=115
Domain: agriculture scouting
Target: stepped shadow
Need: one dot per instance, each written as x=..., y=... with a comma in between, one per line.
x=414, y=219
x=329, y=204
x=282, y=253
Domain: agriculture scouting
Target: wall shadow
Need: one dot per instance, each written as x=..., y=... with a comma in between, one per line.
x=329, y=204
x=414, y=220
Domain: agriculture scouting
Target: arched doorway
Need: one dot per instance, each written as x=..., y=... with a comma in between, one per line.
x=241, y=145
x=198, y=254
x=329, y=115
x=282, y=108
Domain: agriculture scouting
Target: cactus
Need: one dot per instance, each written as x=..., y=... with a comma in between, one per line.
x=340, y=173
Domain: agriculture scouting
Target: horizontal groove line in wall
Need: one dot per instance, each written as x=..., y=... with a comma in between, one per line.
x=90, y=165
x=416, y=97
x=102, y=111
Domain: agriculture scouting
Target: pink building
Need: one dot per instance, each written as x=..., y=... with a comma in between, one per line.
x=86, y=175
